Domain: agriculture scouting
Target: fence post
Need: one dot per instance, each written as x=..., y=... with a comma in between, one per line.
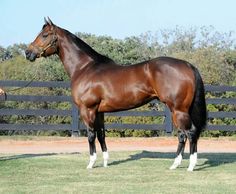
x=168, y=121
x=75, y=132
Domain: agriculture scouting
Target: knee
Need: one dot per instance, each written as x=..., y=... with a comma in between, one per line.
x=91, y=136
x=182, y=137
x=191, y=135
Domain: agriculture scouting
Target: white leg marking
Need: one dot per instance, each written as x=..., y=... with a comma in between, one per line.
x=177, y=162
x=192, y=162
x=105, y=158
x=92, y=160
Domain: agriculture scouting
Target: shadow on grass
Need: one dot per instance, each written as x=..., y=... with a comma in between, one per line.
x=22, y=156
x=216, y=159
x=212, y=159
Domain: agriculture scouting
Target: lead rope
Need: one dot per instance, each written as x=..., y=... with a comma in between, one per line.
x=21, y=87
x=15, y=89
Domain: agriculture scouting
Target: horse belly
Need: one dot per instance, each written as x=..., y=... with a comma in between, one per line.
x=126, y=102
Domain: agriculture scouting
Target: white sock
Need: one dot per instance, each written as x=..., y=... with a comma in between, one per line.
x=192, y=161
x=92, y=160
x=105, y=158
x=177, y=162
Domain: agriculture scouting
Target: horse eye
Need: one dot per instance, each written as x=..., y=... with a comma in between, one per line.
x=45, y=35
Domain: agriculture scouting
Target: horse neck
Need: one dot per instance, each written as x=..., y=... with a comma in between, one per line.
x=74, y=53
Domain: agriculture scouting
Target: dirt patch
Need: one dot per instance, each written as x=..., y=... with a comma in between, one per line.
x=70, y=145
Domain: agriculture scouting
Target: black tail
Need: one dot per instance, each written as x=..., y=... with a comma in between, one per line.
x=198, y=111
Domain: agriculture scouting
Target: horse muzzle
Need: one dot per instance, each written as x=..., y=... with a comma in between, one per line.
x=30, y=55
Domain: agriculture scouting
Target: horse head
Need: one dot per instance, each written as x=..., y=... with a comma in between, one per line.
x=45, y=44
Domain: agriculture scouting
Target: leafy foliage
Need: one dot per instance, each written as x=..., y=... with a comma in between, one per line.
x=211, y=51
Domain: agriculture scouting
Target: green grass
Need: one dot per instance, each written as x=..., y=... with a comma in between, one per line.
x=129, y=172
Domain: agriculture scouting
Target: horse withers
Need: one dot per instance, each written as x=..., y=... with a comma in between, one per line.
x=98, y=86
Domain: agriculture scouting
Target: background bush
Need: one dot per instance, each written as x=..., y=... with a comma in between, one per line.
x=212, y=52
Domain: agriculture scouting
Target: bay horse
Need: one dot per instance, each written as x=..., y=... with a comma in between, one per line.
x=100, y=85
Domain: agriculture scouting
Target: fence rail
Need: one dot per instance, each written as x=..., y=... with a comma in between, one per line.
x=75, y=124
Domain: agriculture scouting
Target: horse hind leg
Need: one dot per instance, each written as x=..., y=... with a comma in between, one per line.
x=193, y=138
x=99, y=127
x=183, y=122
x=180, y=150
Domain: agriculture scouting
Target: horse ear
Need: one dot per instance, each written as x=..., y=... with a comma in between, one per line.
x=50, y=22
x=45, y=20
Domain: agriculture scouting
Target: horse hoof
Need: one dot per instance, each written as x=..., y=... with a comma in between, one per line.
x=89, y=167
x=105, y=164
x=174, y=166
x=177, y=162
x=190, y=169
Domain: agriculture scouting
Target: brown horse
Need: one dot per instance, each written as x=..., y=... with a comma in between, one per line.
x=100, y=85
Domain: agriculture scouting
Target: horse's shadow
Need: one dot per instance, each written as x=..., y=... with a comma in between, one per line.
x=215, y=159
x=23, y=156
x=211, y=159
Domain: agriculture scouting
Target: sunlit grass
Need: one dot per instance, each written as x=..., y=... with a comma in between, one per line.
x=128, y=172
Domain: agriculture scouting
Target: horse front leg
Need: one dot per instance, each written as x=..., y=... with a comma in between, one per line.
x=89, y=116
x=99, y=126
x=92, y=148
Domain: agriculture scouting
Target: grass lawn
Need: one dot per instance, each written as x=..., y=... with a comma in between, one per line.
x=128, y=172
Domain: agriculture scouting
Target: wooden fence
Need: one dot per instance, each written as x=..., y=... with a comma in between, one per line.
x=75, y=126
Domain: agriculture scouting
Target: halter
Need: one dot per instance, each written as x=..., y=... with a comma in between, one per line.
x=51, y=44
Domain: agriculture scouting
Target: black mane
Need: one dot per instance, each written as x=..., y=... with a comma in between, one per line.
x=87, y=49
